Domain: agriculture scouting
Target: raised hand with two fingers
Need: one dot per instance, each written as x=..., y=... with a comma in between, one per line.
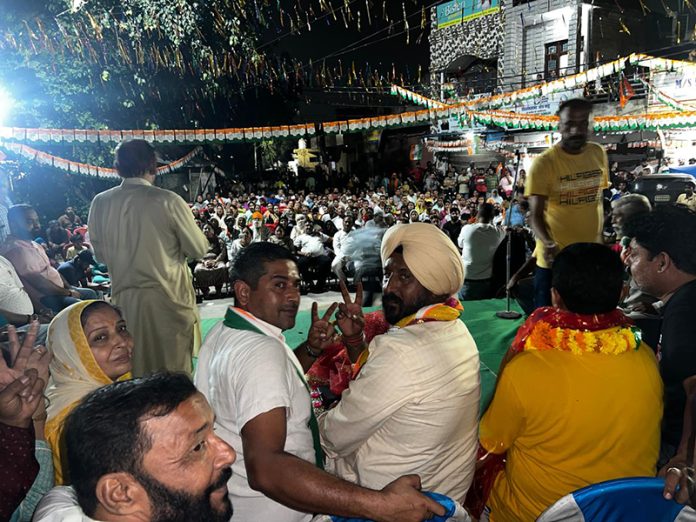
x=322, y=332
x=350, y=318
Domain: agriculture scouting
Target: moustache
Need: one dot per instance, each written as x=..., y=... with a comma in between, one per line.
x=392, y=299
x=225, y=475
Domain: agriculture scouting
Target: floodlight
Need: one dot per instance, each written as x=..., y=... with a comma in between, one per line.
x=6, y=103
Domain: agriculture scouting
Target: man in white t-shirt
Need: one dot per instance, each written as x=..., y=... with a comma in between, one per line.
x=256, y=387
x=478, y=242
x=339, y=240
x=13, y=296
x=15, y=304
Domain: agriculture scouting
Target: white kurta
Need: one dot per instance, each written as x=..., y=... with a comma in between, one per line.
x=412, y=409
x=144, y=234
x=60, y=505
x=244, y=374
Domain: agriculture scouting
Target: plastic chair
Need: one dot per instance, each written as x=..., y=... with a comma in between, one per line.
x=621, y=500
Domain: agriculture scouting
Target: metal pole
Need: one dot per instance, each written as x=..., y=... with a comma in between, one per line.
x=507, y=313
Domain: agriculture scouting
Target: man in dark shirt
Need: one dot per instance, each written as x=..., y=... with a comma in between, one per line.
x=75, y=270
x=662, y=260
x=454, y=226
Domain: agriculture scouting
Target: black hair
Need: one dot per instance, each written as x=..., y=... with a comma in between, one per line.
x=486, y=212
x=104, y=433
x=669, y=229
x=575, y=103
x=133, y=158
x=588, y=277
x=17, y=212
x=250, y=264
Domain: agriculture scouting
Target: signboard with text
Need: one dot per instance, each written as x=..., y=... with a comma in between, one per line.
x=458, y=11
x=548, y=104
x=679, y=85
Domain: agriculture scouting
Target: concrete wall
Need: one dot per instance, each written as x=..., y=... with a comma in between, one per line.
x=527, y=29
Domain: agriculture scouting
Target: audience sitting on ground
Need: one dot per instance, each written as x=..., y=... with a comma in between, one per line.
x=91, y=347
x=580, y=399
x=239, y=244
x=212, y=270
x=16, y=307
x=76, y=270
x=58, y=239
x=143, y=449
x=70, y=220
x=43, y=283
x=77, y=245
x=280, y=237
x=312, y=258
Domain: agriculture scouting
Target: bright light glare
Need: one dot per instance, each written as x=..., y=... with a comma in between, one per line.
x=5, y=105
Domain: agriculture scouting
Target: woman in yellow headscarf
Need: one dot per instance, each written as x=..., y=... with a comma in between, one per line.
x=91, y=348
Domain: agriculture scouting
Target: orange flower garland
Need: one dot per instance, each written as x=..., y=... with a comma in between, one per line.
x=609, y=341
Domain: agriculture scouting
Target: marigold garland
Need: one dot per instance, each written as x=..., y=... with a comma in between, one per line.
x=610, y=341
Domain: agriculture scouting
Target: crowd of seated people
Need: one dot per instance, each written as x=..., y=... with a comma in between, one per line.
x=312, y=221
x=617, y=410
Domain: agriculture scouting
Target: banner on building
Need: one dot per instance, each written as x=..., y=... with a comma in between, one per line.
x=459, y=11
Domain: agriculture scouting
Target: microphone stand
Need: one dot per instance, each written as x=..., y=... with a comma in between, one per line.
x=507, y=313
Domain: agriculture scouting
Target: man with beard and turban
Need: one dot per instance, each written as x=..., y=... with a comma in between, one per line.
x=414, y=405
x=256, y=386
x=564, y=186
x=143, y=450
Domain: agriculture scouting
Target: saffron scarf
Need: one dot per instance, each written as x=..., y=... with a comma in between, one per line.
x=550, y=328
x=237, y=322
x=450, y=310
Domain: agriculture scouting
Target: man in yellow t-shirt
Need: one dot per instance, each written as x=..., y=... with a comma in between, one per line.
x=580, y=404
x=688, y=198
x=564, y=186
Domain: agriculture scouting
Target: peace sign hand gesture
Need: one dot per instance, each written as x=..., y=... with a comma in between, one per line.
x=322, y=331
x=22, y=384
x=20, y=399
x=24, y=356
x=350, y=318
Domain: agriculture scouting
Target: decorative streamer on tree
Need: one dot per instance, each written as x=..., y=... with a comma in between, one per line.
x=406, y=28
x=624, y=29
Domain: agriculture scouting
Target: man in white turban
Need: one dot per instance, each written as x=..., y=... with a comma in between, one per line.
x=413, y=408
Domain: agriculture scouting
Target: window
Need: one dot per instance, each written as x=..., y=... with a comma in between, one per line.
x=556, y=60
